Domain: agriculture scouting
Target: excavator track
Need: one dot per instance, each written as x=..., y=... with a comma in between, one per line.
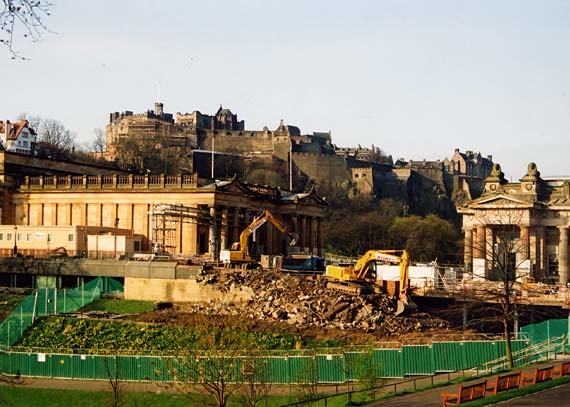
x=352, y=288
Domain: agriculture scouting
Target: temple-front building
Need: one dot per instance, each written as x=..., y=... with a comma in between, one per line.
x=534, y=214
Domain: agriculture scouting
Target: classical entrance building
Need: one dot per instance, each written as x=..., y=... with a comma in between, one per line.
x=173, y=214
x=531, y=216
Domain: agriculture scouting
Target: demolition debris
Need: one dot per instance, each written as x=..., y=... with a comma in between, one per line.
x=305, y=303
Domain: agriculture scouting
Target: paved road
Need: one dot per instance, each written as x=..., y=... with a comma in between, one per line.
x=554, y=397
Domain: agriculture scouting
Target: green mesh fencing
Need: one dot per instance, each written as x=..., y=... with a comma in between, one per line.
x=47, y=301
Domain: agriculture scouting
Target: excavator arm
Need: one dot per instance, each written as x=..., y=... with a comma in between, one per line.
x=256, y=224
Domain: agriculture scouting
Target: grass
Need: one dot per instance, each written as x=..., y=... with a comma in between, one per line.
x=9, y=302
x=121, y=306
x=15, y=396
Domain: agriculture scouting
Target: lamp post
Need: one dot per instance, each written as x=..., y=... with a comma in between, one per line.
x=115, y=239
x=15, y=240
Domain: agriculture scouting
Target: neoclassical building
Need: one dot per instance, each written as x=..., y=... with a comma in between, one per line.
x=534, y=212
x=178, y=214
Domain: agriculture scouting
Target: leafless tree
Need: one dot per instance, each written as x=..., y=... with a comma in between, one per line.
x=22, y=18
x=254, y=378
x=493, y=292
x=113, y=371
x=99, y=144
x=307, y=380
x=212, y=363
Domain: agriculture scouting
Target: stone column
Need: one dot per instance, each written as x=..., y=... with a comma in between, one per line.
x=212, y=238
x=236, y=231
x=480, y=243
x=303, y=232
x=489, y=249
x=320, y=237
x=312, y=231
x=224, y=231
x=468, y=249
x=541, y=249
x=524, y=242
x=563, y=255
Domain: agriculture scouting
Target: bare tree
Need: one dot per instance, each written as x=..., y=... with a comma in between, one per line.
x=25, y=18
x=54, y=139
x=254, y=378
x=368, y=373
x=99, y=144
x=492, y=291
x=307, y=380
x=212, y=363
x=113, y=370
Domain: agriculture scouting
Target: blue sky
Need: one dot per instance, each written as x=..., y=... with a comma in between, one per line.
x=416, y=78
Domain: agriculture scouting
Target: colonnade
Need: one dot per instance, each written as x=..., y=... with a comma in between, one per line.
x=227, y=223
x=479, y=243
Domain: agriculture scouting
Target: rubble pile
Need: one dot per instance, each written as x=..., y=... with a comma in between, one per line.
x=306, y=303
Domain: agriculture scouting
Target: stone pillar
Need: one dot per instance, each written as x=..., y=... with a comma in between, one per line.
x=236, y=231
x=524, y=242
x=190, y=238
x=303, y=232
x=212, y=235
x=312, y=232
x=541, y=249
x=480, y=243
x=563, y=255
x=224, y=231
x=320, y=237
x=468, y=249
x=489, y=248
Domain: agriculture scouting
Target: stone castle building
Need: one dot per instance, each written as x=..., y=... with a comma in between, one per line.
x=287, y=158
x=282, y=153
x=534, y=212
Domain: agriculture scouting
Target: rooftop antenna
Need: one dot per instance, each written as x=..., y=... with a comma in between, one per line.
x=158, y=91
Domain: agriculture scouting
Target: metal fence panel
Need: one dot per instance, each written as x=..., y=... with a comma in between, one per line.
x=277, y=370
x=332, y=367
x=448, y=356
x=418, y=359
x=390, y=362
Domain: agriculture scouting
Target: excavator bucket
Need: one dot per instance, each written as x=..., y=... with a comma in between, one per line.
x=405, y=306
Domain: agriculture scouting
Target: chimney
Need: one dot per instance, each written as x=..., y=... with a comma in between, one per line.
x=7, y=128
x=158, y=108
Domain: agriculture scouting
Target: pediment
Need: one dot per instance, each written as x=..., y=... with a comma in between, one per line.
x=500, y=201
x=233, y=186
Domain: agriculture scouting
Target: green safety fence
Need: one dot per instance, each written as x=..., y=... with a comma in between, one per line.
x=52, y=301
x=334, y=367
x=546, y=330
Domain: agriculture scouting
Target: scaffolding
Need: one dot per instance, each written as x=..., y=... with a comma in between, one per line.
x=167, y=220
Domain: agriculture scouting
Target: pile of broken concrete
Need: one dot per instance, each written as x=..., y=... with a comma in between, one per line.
x=307, y=302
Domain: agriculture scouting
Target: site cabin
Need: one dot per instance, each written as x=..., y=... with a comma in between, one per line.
x=465, y=393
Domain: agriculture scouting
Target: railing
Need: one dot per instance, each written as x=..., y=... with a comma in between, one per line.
x=185, y=181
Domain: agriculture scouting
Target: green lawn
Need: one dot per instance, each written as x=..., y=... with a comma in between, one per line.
x=8, y=302
x=28, y=397
x=121, y=306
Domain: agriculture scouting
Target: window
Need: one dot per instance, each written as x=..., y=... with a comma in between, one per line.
x=19, y=237
x=8, y=236
x=70, y=237
x=50, y=237
x=137, y=246
x=28, y=237
x=1, y=236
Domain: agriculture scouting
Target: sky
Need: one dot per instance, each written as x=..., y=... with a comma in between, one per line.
x=416, y=78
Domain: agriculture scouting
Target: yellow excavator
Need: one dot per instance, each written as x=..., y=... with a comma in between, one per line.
x=361, y=278
x=239, y=254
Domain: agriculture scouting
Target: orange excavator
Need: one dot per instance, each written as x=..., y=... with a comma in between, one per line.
x=361, y=278
x=239, y=255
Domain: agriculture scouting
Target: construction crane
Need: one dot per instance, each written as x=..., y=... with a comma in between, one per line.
x=239, y=254
x=361, y=278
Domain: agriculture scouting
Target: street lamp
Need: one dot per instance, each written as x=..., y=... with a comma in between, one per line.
x=15, y=240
